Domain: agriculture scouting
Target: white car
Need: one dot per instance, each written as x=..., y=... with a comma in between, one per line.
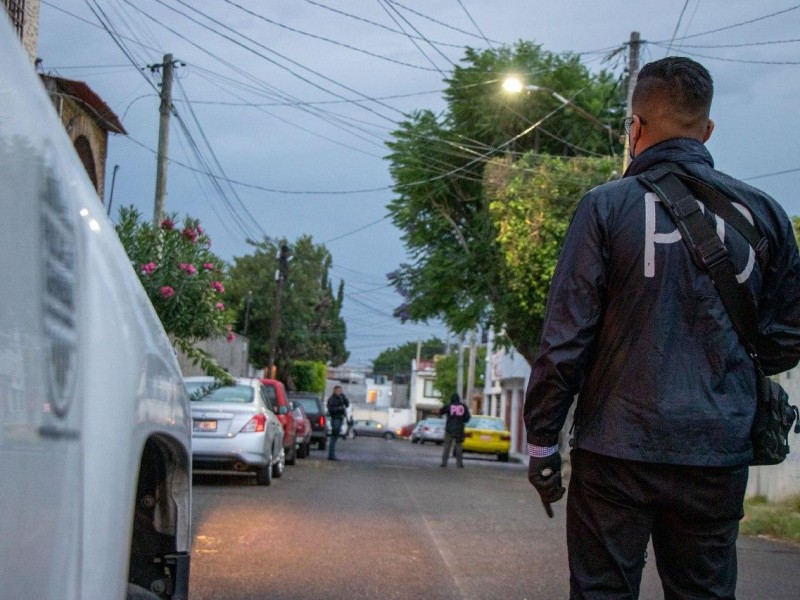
x=233, y=428
x=95, y=430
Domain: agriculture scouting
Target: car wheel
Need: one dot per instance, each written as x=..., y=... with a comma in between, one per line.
x=439, y=443
x=322, y=444
x=388, y=436
x=503, y=457
x=302, y=450
x=291, y=458
x=421, y=442
x=264, y=475
x=414, y=440
x=278, y=467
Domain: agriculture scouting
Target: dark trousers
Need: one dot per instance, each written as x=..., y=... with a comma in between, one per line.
x=449, y=439
x=336, y=430
x=615, y=506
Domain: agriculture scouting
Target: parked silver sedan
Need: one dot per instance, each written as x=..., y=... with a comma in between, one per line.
x=429, y=430
x=233, y=428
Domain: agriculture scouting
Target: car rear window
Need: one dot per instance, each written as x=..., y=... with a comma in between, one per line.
x=309, y=404
x=479, y=423
x=241, y=394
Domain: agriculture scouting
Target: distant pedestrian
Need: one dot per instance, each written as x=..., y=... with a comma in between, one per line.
x=666, y=388
x=457, y=415
x=337, y=411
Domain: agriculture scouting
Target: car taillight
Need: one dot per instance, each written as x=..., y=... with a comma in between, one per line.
x=322, y=420
x=467, y=434
x=505, y=437
x=283, y=419
x=256, y=424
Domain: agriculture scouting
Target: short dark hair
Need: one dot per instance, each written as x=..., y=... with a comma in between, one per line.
x=684, y=84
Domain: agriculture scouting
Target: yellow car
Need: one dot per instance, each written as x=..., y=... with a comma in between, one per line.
x=487, y=435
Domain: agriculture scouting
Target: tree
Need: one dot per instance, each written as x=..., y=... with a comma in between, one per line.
x=530, y=202
x=447, y=372
x=183, y=279
x=457, y=263
x=311, y=324
x=397, y=360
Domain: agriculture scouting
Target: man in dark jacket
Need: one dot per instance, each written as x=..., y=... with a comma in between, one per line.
x=666, y=390
x=337, y=411
x=457, y=415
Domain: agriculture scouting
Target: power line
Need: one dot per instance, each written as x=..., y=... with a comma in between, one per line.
x=469, y=16
x=677, y=26
x=740, y=24
x=442, y=23
x=735, y=60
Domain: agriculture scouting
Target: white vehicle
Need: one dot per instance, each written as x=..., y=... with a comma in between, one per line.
x=95, y=429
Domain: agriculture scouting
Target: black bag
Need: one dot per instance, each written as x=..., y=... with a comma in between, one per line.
x=773, y=420
x=678, y=192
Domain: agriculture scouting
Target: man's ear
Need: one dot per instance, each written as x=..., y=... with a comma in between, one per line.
x=709, y=130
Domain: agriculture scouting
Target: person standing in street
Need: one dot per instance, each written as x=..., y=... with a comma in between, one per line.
x=666, y=389
x=337, y=411
x=457, y=414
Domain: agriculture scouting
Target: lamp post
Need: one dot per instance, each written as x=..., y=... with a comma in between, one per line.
x=515, y=86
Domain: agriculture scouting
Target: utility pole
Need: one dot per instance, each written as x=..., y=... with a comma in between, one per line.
x=248, y=302
x=163, y=136
x=460, y=367
x=275, y=324
x=473, y=353
x=633, y=74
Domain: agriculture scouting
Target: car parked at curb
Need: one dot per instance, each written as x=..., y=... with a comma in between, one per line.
x=234, y=429
x=429, y=430
x=372, y=428
x=279, y=404
x=487, y=435
x=303, y=429
x=315, y=410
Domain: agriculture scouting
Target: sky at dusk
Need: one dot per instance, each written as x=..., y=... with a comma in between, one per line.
x=290, y=103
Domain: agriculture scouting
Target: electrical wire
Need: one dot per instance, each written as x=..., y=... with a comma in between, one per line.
x=442, y=23
x=469, y=16
x=740, y=24
x=677, y=26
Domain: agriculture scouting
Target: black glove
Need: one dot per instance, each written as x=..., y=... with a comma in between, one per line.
x=545, y=475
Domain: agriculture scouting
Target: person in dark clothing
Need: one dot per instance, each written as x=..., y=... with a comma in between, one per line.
x=666, y=390
x=457, y=415
x=337, y=411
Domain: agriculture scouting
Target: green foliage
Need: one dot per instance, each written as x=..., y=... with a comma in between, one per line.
x=311, y=326
x=184, y=280
x=457, y=262
x=309, y=375
x=796, y=227
x=447, y=372
x=531, y=203
x=397, y=360
x=779, y=520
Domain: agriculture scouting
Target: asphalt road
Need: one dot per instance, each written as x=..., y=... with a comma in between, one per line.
x=387, y=522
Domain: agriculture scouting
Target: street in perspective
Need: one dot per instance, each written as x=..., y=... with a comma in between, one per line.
x=385, y=521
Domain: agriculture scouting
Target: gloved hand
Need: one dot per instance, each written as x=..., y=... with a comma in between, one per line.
x=545, y=475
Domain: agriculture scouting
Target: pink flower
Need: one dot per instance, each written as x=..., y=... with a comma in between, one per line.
x=217, y=285
x=230, y=336
x=168, y=224
x=190, y=234
x=200, y=230
x=220, y=306
x=148, y=268
x=189, y=268
x=208, y=266
x=167, y=291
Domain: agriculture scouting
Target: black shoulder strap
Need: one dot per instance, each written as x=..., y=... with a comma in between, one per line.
x=706, y=249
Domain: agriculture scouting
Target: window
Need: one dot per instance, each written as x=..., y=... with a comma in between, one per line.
x=16, y=10
x=429, y=391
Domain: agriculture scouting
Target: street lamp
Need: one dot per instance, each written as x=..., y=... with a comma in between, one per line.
x=514, y=85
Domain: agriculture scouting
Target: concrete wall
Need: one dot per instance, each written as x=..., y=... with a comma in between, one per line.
x=230, y=355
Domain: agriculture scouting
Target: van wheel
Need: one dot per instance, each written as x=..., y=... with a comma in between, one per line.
x=302, y=451
x=291, y=458
x=503, y=457
x=322, y=444
x=278, y=467
x=264, y=475
x=135, y=592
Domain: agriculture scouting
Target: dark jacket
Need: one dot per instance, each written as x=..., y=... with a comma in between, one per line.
x=640, y=333
x=457, y=415
x=337, y=406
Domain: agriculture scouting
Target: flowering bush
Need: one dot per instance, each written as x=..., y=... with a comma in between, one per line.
x=182, y=278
